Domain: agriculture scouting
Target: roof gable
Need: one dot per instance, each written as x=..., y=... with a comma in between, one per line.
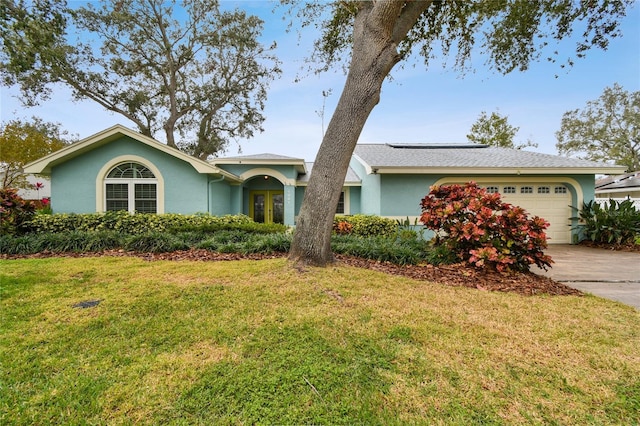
x=44, y=164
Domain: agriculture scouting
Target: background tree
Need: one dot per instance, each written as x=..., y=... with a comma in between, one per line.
x=380, y=34
x=495, y=130
x=203, y=76
x=22, y=142
x=607, y=129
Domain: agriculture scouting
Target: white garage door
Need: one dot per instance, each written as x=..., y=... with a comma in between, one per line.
x=550, y=201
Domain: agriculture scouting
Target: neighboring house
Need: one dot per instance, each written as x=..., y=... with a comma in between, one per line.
x=32, y=193
x=119, y=168
x=40, y=188
x=619, y=188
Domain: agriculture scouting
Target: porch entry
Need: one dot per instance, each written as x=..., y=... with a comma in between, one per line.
x=266, y=206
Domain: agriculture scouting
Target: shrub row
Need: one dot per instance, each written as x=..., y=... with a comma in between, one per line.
x=126, y=223
x=382, y=249
x=365, y=226
x=233, y=241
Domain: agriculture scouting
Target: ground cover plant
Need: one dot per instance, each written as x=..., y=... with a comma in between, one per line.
x=121, y=340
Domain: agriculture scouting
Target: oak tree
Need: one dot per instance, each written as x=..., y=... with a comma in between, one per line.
x=374, y=36
x=606, y=129
x=495, y=130
x=22, y=142
x=190, y=70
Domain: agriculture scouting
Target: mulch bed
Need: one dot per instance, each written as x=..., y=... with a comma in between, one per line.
x=527, y=284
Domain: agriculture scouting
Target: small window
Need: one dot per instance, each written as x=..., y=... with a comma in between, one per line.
x=560, y=190
x=544, y=190
x=526, y=190
x=509, y=190
x=340, y=209
x=492, y=189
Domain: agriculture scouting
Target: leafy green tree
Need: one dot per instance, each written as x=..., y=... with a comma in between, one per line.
x=371, y=38
x=203, y=76
x=495, y=130
x=22, y=142
x=606, y=129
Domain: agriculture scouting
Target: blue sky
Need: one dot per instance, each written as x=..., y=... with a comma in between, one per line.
x=418, y=105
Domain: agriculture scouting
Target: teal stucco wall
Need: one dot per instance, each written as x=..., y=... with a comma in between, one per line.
x=73, y=188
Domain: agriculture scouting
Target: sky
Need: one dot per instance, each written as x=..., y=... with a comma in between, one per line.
x=418, y=105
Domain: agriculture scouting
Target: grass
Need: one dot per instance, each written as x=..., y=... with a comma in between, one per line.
x=256, y=342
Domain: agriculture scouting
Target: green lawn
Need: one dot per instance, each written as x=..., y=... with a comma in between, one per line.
x=256, y=342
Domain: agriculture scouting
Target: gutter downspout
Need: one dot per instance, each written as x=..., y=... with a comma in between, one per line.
x=209, y=191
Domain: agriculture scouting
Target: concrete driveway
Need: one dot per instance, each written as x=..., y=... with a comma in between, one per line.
x=614, y=275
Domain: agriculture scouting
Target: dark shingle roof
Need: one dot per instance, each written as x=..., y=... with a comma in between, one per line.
x=462, y=156
x=626, y=181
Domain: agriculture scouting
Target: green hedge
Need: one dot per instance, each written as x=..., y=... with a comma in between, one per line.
x=367, y=225
x=126, y=223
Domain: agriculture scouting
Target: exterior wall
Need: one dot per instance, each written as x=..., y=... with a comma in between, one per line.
x=74, y=182
x=219, y=197
x=370, y=194
x=401, y=194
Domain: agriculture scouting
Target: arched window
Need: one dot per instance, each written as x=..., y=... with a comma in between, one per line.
x=132, y=187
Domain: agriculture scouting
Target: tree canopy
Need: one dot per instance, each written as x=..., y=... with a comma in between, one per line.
x=22, y=142
x=371, y=37
x=495, y=130
x=189, y=70
x=606, y=129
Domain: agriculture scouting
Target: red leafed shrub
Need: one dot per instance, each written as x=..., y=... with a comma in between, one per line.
x=14, y=211
x=481, y=229
x=342, y=228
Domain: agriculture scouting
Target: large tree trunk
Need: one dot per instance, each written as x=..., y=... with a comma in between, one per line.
x=373, y=56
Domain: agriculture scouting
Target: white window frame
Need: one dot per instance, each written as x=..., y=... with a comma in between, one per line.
x=346, y=203
x=102, y=180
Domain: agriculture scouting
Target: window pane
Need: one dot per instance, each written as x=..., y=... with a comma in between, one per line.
x=560, y=189
x=115, y=205
x=117, y=196
x=340, y=209
x=258, y=208
x=146, y=206
x=544, y=190
x=278, y=208
x=492, y=189
x=130, y=171
x=526, y=190
x=145, y=194
x=509, y=189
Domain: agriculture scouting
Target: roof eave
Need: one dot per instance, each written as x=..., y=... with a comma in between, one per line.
x=44, y=164
x=298, y=163
x=494, y=170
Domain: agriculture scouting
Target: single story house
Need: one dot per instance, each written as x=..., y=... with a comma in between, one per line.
x=120, y=168
x=619, y=188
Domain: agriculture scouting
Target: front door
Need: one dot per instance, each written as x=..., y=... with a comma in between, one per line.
x=267, y=206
